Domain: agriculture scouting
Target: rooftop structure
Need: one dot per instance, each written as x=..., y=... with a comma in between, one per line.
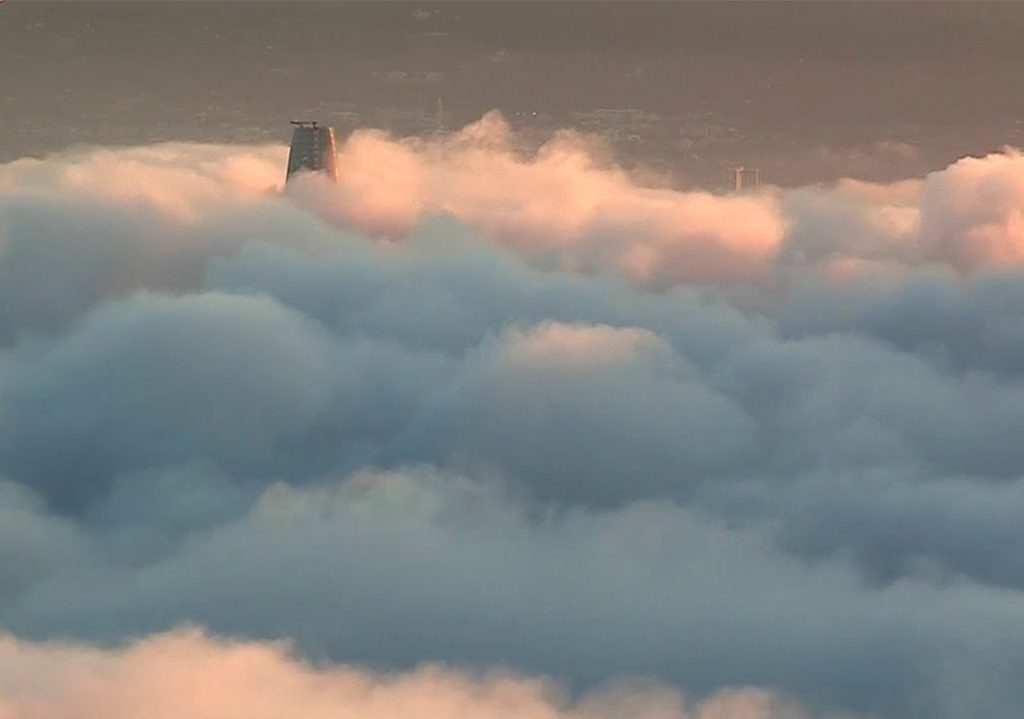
x=745, y=179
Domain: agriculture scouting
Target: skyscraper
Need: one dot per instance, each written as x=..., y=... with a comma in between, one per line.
x=313, y=149
x=745, y=179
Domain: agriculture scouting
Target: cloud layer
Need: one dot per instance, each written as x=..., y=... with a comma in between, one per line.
x=491, y=409
x=188, y=673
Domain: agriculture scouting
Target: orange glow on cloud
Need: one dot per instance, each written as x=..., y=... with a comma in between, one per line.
x=558, y=207
x=189, y=674
x=565, y=207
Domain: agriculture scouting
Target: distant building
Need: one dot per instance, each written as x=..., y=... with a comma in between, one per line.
x=439, y=117
x=745, y=179
x=313, y=149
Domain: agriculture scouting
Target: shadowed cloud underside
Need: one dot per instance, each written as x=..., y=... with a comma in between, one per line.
x=528, y=418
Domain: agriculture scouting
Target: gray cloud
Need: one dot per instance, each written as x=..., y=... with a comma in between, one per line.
x=388, y=568
x=492, y=440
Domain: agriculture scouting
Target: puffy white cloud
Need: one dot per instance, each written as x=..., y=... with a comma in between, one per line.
x=972, y=213
x=173, y=180
x=559, y=208
x=555, y=418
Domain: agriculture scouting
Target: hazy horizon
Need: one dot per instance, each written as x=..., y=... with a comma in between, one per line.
x=813, y=91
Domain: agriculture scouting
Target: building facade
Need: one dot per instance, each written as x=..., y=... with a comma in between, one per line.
x=313, y=149
x=745, y=179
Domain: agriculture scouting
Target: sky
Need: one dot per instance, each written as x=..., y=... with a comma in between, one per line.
x=486, y=430
x=814, y=91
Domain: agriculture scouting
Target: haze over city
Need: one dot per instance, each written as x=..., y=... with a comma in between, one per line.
x=809, y=91
x=435, y=360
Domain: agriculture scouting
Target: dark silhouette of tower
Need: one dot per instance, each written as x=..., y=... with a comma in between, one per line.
x=313, y=150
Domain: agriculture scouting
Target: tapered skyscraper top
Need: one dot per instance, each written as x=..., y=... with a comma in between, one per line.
x=313, y=149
